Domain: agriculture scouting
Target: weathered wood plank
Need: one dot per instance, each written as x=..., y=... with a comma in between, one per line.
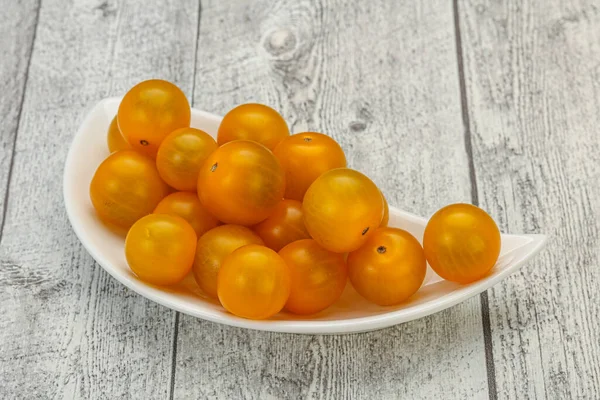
x=17, y=30
x=380, y=77
x=532, y=73
x=68, y=329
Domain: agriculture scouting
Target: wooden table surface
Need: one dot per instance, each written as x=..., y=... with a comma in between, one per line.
x=490, y=102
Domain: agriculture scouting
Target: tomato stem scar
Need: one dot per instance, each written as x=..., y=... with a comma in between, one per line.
x=214, y=167
x=144, y=142
x=381, y=249
x=307, y=139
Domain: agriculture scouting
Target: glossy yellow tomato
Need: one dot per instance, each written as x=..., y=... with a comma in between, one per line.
x=125, y=187
x=160, y=248
x=305, y=157
x=284, y=226
x=115, y=139
x=318, y=276
x=254, y=282
x=241, y=183
x=255, y=122
x=150, y=111
x=212, y=249
x=181, y=155
x=187, y=206
x=341, y=209
x=386, y=212
x=461, y=243
x=389, y=268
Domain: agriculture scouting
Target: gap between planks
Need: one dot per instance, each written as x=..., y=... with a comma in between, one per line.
x=14, y=140
x=176, y=324
x=485, y=307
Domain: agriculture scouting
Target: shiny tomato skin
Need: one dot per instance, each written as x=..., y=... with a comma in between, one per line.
x=318, y=276
x=285, y=225
x=187, y=206
x=241, y=183
x=342, y=208
x=126, y=187
x=212, y=249
x=149, y=112
x=461, y=243
x=255, y=122
x=254, y=282
x=181, y=155
x=114, y=138
x=306, y=156
x=160, y=248
x=389, y=268
x=386, y=213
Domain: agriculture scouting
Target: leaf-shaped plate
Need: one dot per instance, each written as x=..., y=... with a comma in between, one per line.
x=350, y=314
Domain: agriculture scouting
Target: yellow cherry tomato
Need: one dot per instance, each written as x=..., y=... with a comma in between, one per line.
x=212, y=249
x=254, y=282
x=241, y=183
x=150, y=111
x=181, y=155
x=318, y=276
x=187, y=206
x=255, y=122
x=341, y=209
x=285, y=225
x=160, y=248
x=389, y=268
x=125, y=187
x=305, y=157
x=115, y=139
x=461, y=243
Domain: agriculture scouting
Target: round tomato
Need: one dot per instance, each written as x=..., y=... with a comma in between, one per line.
x=254, y=282
x=305, y=157
x=181, y=155
x=150, y=111
x=318, y=276
x=284, y=226
x=125, y=187
x=341, y=209
x=212, y=249
x=160, y=248
x=187, y=206
x=389, y=268
x=254, y=122
x=461, y=243
x=115, y=139
x=386, y=212
x=241, y=183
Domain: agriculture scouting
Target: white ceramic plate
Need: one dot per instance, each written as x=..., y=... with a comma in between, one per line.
x=350, y=314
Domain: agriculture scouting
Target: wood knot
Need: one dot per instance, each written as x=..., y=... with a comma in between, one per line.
x=280, y=41
x=358, y=126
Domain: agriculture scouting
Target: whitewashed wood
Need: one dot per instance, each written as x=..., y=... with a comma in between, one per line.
x=532, y=71
x=381, y=77
x=67, y=329
x=17, y=29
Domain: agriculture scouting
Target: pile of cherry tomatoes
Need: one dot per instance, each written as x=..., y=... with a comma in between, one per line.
x=263, y=219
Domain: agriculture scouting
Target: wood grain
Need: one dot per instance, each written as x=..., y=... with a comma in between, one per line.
x=380, y=77
x=532, y=73
x=17, y=30
x=68, y=330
